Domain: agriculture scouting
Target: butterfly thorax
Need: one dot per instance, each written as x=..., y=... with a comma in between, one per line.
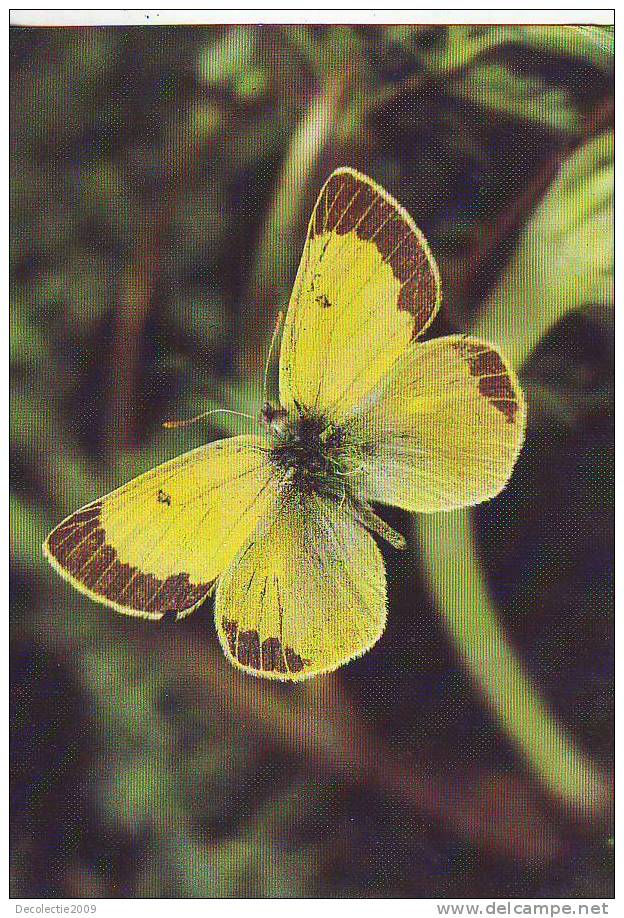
x=313, y=451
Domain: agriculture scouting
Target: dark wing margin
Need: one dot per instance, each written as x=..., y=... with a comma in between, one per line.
x=352, y=202
x=268, y=656
x=486, y=365
x=78, y=550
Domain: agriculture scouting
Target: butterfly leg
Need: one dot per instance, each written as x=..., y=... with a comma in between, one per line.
x=375, y=524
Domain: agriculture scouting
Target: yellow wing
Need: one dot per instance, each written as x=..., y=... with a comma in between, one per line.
x=443, y=431
x=306, y=594
x=366, y=287
x=158, y=543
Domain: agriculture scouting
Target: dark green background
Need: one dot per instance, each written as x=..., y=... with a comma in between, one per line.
x=161, y=183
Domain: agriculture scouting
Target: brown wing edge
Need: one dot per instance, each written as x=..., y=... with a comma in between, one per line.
x=350, y=201
x=497, y=382
x=78, y=551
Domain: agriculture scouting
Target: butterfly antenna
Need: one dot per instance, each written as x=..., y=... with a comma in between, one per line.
x=271, y=371
x=174, y=425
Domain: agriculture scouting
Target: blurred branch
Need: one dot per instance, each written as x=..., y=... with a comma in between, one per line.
x=134, y=304
x=318, y=722
x=137, y=288
x=274, y=260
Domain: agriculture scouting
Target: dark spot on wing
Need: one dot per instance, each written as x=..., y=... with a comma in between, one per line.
x=231, y=630
x=248, y=649
x=164, y=498
x=294, y=661
x=273, y=656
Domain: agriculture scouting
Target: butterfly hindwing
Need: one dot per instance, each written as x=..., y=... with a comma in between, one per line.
x=306, y=594
x=367, y=286
x=444, y=429
x=158, y=543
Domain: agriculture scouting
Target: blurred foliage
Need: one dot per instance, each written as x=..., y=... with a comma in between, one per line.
x=161, y=180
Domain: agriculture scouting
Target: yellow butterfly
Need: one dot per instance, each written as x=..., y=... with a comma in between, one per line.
x=279, y=525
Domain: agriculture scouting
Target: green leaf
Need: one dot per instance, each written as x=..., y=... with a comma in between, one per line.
x=29, y=528
x=495, y=87
x=463, y=46
x=227, y=59
x=27, y=345
x=593, y=45
x=564, y=256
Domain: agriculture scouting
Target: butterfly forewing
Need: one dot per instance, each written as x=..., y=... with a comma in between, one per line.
x=157, y=544
x=367, y=286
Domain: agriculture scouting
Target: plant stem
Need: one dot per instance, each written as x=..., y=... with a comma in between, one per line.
x=449, y=557
x=451, y=564
x=275, y=255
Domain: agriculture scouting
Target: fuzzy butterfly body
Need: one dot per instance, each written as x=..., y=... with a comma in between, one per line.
x=280, y=526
